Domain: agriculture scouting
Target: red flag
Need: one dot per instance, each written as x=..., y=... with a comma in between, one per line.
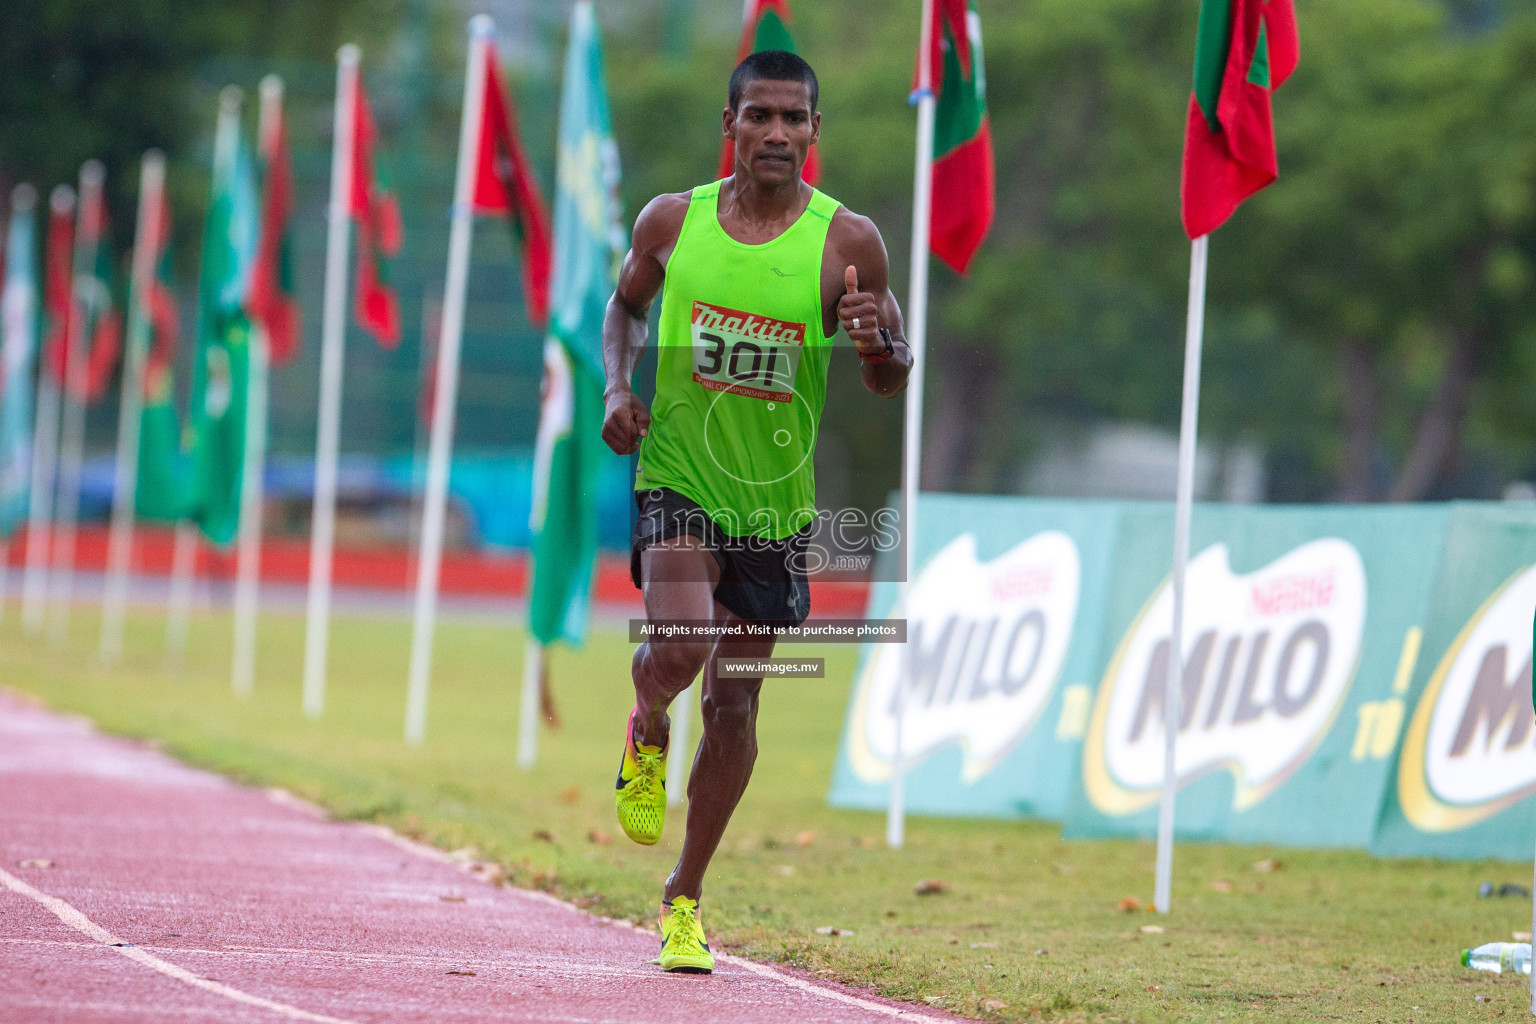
x=504, y=185
x=964, y=189
x=85, y=299
x=160, y=306
x=106, y=345
x=274, y=302
x=1244, y=51
x=766, y=28
x=379, y=234
x=57, y=278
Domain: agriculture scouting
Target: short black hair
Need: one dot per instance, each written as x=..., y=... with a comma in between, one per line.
x=774, y=65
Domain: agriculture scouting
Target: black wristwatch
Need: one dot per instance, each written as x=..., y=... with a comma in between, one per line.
x=890, y=348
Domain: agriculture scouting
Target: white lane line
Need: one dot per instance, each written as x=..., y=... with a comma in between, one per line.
x=387, y=834
x=529, y=963
x=84, y=925
x=761, y=970
x=842, y=997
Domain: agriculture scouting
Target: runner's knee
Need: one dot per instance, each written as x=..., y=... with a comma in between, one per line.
x=676, y=663
x=731, y=713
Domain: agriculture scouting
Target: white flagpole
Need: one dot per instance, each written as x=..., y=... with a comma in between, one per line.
x=534, y=666
x=72, y=426
x=440, y=449
x=322, y=535
x=1183, y=510
x=45, y=458
x=912, y=446
x=248, y=537
x=254, y=458
x=125, y=477
x=1532, y=1006
x=178, y=605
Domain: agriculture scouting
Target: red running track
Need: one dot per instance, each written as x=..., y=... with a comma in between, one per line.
x=136, y=889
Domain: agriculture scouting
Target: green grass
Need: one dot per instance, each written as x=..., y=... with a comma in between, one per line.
x=1029, y=928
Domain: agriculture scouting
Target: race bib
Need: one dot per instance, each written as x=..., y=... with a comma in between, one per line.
x=745, y=354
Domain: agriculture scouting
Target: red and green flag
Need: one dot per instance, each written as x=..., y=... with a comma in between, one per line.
x=505, y=186
x=1244, y=50
x=964, y=186
x=766, y=27
x=377, y=212
x=274, y=302
x=58, y=273
x=100, y=327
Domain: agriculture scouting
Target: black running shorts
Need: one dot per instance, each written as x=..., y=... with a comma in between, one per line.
x=761, y=580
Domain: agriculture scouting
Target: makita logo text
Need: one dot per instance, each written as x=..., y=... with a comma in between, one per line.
x=747, y=325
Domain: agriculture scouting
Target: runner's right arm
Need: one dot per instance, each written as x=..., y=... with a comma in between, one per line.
x=625, y=418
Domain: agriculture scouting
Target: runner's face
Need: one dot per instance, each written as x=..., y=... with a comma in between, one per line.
x=773, y=127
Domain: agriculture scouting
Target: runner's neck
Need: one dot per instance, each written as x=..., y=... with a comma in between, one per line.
x=753, y=214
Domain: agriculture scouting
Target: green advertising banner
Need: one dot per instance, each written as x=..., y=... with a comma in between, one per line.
x=1299, y=623
x=1464, y=781
x=1353, y=676
x=1004, y=624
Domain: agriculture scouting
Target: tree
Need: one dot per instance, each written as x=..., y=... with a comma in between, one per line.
x=111, y=78
x=1391, y=247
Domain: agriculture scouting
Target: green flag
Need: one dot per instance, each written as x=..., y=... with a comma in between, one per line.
x=220, y=368
x=589, y=243
x=164, y=462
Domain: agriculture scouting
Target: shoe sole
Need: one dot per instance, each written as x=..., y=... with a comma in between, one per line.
x=688, y=969
x=643, y=838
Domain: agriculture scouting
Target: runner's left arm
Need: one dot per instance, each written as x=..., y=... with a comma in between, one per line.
x=866, y=297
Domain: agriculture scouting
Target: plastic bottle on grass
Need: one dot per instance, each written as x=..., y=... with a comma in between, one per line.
x=1499, y=957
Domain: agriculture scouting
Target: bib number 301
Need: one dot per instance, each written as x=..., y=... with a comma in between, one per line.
x=744, y=353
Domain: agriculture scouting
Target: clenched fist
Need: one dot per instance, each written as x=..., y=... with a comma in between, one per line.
x=625, y=421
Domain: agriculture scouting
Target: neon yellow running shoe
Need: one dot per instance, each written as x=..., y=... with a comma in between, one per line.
x=640, y=795
x=683, y=948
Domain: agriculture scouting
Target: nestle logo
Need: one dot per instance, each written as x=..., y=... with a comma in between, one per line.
x=1025, y=581
x=1285, y=595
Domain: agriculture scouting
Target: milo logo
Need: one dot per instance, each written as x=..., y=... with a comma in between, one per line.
x=1470, y=750
x=986, y=643
x=1268, y=659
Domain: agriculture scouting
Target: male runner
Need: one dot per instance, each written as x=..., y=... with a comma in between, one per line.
x=760, y=271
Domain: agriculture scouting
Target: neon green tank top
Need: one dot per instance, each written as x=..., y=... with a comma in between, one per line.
x=741, y=373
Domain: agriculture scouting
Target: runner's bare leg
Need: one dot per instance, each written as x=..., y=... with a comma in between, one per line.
x=725, y=759
x=678, y=578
